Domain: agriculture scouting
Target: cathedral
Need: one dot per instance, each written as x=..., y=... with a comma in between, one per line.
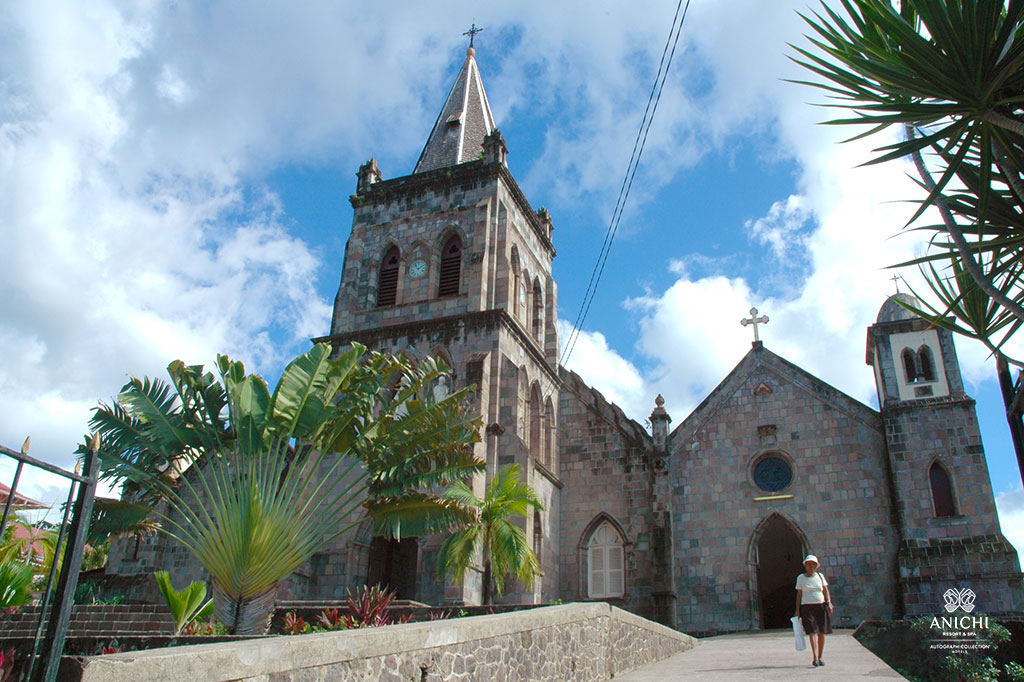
x=702, y=526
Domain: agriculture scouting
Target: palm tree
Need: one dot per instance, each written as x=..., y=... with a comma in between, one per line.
x=950, y=74
x=501, y=542
x=31, y=544
x=255, y=483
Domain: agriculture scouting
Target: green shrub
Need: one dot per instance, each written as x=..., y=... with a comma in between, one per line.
x=15, y=582
x=186, y=606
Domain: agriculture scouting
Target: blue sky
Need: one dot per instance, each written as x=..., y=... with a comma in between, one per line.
x=176, y=182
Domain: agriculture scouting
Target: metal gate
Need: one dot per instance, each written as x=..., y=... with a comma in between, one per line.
x=57, y=600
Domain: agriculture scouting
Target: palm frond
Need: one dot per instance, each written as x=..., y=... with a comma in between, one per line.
x=954, y=75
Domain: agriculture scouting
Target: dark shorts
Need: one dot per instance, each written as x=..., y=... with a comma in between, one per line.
x=816, y=619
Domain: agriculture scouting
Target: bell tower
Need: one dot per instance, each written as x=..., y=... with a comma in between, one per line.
x=452, y=261
x=943, y=505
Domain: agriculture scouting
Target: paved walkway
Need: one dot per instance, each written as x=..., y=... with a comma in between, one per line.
x=765, y=656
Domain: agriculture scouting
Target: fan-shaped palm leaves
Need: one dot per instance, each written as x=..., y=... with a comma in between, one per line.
x=255, y=482
x=501, y=543
x=951, y=74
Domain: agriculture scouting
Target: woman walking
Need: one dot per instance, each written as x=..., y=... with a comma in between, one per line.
x=814, y=607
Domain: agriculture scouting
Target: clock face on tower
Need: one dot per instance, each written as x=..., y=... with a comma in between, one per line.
x=418, y=268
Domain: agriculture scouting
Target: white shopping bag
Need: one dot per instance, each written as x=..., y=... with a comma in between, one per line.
x=798, y=632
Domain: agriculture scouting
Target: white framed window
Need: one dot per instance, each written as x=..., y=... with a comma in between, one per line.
x=605, y=563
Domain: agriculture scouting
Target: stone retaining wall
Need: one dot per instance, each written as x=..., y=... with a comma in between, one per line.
x=571, y=643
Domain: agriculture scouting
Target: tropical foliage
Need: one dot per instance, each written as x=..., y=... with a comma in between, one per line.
x=15, y=582
x=367, y=607
x=501, y=543
x=950, y=75
x=116, y=518
x=95, y=556
x=29, y=543
x=186, y=606
x=255, y=482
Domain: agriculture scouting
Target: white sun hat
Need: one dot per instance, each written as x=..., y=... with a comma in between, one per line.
x=811, y=557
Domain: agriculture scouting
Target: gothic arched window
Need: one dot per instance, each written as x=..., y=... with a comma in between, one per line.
x=535, y=422
x=451, y=267
x=538, y=310
x=606, y=570
x=942, y=491
x=387, y=278
x=927, y=369
x=549, y=436
x=538, y=537
x=515, y=281
x=523, y=297
x=910, y=365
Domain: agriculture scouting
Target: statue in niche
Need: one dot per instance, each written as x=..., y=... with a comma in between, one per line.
x=441, y=389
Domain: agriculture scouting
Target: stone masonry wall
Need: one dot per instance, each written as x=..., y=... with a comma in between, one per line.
x=606, y=470
x=921, y=432
x=965, y=550
x=572, y=643
x=839, y=500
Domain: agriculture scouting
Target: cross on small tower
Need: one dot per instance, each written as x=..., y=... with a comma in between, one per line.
x=896, y=280
x=754, y=320
x=473, y=30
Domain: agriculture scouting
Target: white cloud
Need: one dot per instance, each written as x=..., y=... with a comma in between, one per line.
x=120, y=257
x=782, y=228
x=692, y=334
x=1010, y=506
x=601, y=367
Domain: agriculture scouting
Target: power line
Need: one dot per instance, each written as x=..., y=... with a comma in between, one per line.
x=627, y=181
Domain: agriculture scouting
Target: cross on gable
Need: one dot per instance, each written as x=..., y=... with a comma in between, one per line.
x=473, y=30
x=754, y=320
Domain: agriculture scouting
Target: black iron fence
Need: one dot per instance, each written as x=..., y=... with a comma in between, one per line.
x=56, y=601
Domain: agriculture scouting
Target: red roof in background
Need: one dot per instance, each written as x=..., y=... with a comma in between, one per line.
x=20, y=501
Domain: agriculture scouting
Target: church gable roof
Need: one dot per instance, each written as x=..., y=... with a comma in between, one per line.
x=464, y=121
x=761, y=358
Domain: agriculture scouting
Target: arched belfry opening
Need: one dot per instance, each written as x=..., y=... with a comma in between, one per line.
x=778, y=547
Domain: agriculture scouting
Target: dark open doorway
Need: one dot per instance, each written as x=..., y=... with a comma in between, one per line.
x=779, y=554
x=392, y=565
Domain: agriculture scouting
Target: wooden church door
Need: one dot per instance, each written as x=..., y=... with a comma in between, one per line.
x=392, y=565
x=779, y=555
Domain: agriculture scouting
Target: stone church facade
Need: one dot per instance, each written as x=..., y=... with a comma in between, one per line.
x=702, y=527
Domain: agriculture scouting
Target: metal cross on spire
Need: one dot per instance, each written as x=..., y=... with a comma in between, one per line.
x=896, y=280
x=754, y=320
x=473, y=30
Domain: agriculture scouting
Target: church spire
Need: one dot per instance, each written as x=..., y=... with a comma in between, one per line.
x=465, y=120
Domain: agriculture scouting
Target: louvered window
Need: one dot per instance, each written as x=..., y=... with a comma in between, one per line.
x=605, y=564
x=387, y=280
x=451, y=268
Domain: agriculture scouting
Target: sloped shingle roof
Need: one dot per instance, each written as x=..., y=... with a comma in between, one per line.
x=464, y=121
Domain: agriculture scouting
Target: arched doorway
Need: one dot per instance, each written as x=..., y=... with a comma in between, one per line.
x=392, y=565
x=779, y=552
